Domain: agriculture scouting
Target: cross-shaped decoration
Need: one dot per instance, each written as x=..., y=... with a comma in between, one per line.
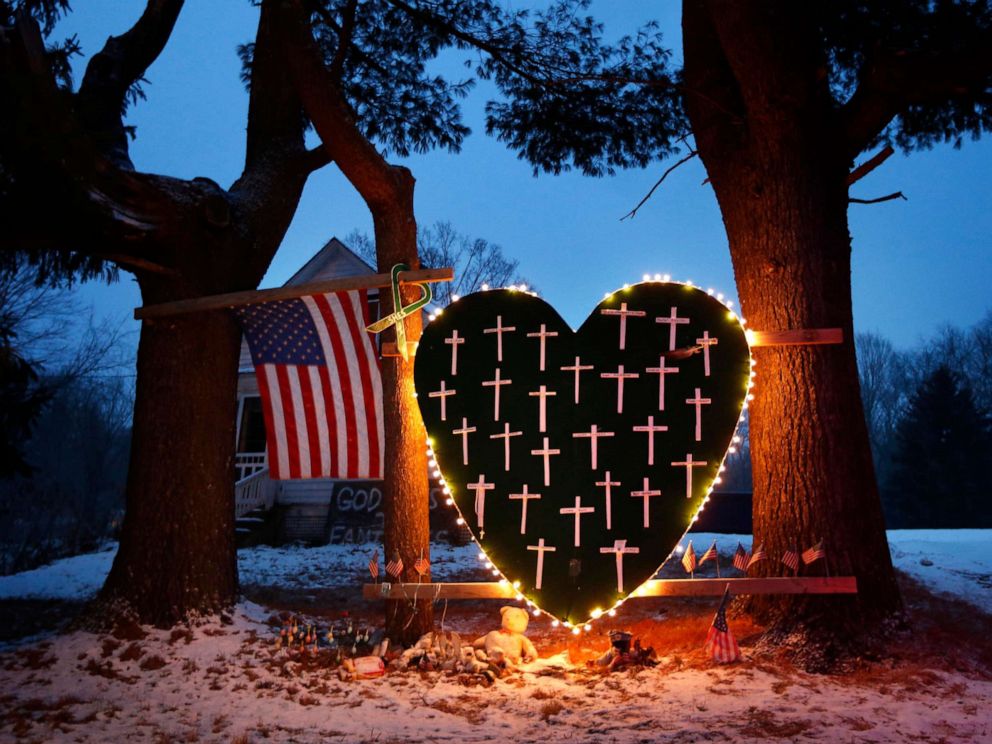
x=453, y=341
x=620, y=549
x=505, y=436
x=623, y=312
x=578, y=368
x=689, y=464
x=499, y=330
x=464, y=432
x=699, y=402
x=673, y=321
x=546, y=454
x=480, y=487
x=646, y=493
x=543, y=393
x=593, y=436
x=541, y=549
x=524, y=498
x=619, y=376
x=650, y=428
x=443, y=394
x=496, y=385
x=706, y=342
x=608, y=485
x=543, y=335
x=577, y=511
x=661, y=370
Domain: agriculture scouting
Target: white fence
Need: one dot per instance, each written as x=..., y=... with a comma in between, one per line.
x=255, y=491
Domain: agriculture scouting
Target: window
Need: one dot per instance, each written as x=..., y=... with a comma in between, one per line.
x=251, y=435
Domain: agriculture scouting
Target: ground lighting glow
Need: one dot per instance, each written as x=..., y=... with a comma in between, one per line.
x=640, y=591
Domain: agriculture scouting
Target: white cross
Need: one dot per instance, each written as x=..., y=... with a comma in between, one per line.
x=464, y=431
x=620, y=548
x=619, y=376
x=454, y=340
x=578, y=368
x=689, y=464
x=593, y=436
x=543, y=393
x=577, y=511
x=623, y=312
x=496, y=385
x=699, y=402
x=443, y=394
x=608, y=484
x=499, y=330
x=524, y=497
x=646, y=493
x=543, y=335
x=541, y=549
x=706, y=342
x=673, y=322
x=650, y=428
x=505, y=436
x=480, y=487
x=546, y=453
x=661, y=370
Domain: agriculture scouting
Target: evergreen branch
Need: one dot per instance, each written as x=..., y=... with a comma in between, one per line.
x=633, y=212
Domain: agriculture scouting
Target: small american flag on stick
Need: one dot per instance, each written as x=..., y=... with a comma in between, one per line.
x=422, y=565
x=374, y=565
x=791, y=559
x=814, y=554
x=711, y=555
x=689, y=559
x=757, y=555
x=720, y=642
x=395, y=567
x=741, y=558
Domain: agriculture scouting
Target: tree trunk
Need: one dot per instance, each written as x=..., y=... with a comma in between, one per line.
x=406, y=500
x=177, y=545
x=763, y=130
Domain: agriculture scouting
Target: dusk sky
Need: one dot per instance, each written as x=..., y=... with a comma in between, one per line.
x=917, y=264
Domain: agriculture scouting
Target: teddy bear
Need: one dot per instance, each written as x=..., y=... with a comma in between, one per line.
x=510, y=638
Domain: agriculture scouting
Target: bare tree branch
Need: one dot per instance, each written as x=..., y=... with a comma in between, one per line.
x=887, y=197
x=686, y=159
x=869, y=165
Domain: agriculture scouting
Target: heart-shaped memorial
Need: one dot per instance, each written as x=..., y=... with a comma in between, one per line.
x=579, y=459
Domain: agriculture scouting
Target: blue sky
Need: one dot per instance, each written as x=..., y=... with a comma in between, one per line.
x=917, y=265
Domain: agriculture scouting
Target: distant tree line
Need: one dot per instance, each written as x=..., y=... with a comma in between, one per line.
x=66, y=396
x=929, y=417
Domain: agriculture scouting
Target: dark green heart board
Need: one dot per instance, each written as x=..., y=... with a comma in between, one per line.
x=683, y=362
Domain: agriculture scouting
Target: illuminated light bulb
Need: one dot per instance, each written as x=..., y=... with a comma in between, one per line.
x=503, y=582
x=716, y=480
x=414, y=395
x=575, y=631
x=555, y=623
x=612, y=613
x=447, y=492
x=485, y=287
x=587, y=628
x=750, y=336
x=719, y=296
x=495, y=572
x=459, y=521
x=606, y=295
x=482, y=556
x=519, y=597
x=646, y=277
x=535, y=613
x=455, y=298
x=695, y=519
x=596, y=614
x=489, y=564
x=688, y=282
x=750, y=397
x=516, y=584
x=449, y=502
x=731, y=450
x=736, y=439
x=668, y=277
x=730, y=303
x=710, y=291
x=657, y=277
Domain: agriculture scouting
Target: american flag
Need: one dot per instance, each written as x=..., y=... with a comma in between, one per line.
x=689, y=559
x=790, y=559
x=814, y=554
x=422, y=565
x=720, y=643
x=318, y=374
x=395, y=567
x=374, y=565
x=757, y=555
x=741, y=558
x=709, y=555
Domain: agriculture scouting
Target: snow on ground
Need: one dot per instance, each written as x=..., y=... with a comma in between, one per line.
x=227, y=682
x=958, y=562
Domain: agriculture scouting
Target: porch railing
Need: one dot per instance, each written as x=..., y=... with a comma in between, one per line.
x=255, y=491
x=246, y=463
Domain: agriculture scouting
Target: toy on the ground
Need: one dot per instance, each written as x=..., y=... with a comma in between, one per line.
x=510, y=638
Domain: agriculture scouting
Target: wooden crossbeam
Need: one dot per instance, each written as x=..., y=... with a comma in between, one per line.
x=253, y=296
x=653, y=588
x=798, y=337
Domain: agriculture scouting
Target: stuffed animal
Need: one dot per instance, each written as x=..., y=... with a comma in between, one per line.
x=510, y=638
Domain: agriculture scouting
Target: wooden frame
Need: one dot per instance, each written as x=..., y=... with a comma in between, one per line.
x=799, y=337
x=252, y=296
x=709, y=587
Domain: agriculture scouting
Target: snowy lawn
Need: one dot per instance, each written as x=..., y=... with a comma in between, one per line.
x=224, y=680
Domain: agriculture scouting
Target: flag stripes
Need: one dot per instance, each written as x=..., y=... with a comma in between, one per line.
x=814, y=554
x=320, y=383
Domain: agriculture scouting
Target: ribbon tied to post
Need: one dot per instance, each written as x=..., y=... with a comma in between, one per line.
x=396, y=318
